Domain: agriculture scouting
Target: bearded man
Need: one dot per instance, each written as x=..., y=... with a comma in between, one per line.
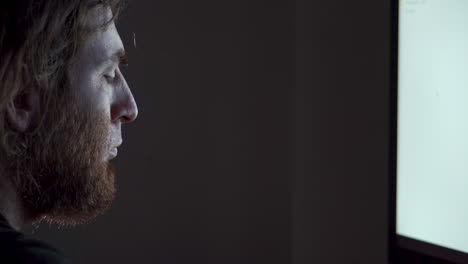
x=63, y=99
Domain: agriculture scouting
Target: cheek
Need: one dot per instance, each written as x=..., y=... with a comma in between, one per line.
x=97, y=95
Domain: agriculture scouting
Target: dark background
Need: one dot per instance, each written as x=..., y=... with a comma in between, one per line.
x=262, y=136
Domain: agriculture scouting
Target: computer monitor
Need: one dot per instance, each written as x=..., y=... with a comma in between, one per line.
x=429, y=141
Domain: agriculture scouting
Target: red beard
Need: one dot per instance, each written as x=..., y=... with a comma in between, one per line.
x=60, y=174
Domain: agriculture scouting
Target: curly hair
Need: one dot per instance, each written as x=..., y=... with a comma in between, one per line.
x=38, y=39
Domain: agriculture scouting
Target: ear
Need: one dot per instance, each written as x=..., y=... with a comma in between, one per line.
x=23, y=110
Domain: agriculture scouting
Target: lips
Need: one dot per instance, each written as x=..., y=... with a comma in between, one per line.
x=113, y=153
x=118, y=145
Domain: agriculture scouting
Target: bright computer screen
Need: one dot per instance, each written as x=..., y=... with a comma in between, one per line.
x=432, y=128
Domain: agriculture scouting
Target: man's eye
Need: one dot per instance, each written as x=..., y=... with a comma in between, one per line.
x=109, y=78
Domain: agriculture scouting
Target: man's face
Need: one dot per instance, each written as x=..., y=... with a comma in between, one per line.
x=99, y=84
x=65, y=176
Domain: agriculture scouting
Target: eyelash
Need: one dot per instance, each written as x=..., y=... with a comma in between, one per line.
x=111, y=79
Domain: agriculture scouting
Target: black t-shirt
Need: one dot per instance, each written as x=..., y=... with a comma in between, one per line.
x=19, y=248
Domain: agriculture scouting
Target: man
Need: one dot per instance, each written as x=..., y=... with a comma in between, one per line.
x=63, y=99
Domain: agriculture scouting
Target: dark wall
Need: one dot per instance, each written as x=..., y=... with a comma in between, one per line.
x=261, y=136
x=341, y=132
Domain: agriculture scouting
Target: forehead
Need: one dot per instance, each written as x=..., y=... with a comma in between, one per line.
x=104, y=41
x=98, y=16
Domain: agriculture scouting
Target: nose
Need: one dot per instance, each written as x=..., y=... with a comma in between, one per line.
x=124, y=107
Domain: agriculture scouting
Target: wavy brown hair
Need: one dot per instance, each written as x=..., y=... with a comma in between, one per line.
x=38, y=39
